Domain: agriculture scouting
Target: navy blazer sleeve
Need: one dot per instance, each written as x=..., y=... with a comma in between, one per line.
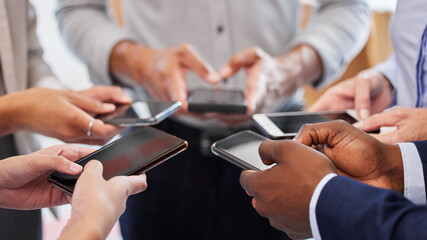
x=422, y=151
x=348, y=209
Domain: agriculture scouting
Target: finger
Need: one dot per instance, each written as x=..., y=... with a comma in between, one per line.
x=270, y=151
x=131, y=184
x=244, y=59
x=252, y=88
x=362, y=98
x=44, y=164
x=100, y=130
x=322, y=133
x=111, y=94
x=90, y=105
x=247, y=178
x=70, y=152
x=192, y=60
x=92, y=172
x=178, y=90
x=376, y=121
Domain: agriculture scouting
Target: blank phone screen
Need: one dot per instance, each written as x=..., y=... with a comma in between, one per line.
x=217, y=97
x=128, y=154
x=292, y=123
x=137, y=110
x=244, y=146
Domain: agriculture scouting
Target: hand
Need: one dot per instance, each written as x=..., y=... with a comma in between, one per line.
x=97, y=204
x=356, y=154
x=62, y=114
x=283, y=193
x=409, y=124
x=279, y=77
x=23, y=179
x=161, y=72
x=369, y=92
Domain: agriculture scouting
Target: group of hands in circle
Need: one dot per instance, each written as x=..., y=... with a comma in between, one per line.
x=65, y=115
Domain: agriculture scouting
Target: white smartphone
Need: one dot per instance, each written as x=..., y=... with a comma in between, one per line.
x=287, y=124
x=140, y=113
x=241, y=149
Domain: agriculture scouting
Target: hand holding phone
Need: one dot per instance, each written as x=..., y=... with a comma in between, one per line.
x=134, y=153
x=141, y=113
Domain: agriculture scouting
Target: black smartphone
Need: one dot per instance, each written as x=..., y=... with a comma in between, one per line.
x=140, y=113
x=134, y=153
x=241, y=149
x=221, y=101
x=287, y=124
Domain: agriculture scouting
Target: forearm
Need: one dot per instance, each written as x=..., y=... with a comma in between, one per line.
x=83, y=229
x=90, y=34
x=337, y=32
x=10, y=111
x=305, y=62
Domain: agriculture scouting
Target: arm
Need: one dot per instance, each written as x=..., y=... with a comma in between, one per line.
x=91, y=34
x=349, y=209
x=337, y=32
x=39, y=73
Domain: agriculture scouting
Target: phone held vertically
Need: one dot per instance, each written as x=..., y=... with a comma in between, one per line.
x=241, y=149
x=141, y=113
x=220, y=101
x=287, y=124
x=132, y=154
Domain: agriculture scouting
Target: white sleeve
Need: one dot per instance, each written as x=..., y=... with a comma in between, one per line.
x=414, y=188
x=313, y=204
x=388, y=69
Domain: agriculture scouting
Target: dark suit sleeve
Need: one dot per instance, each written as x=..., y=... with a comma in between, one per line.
x=422, y=151
x=347, y=209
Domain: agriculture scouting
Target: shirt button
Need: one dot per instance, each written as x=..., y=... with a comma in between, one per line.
x=220, y=29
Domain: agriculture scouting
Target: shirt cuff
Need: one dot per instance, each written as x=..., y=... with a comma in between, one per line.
x=414, y=187
x=313, y=204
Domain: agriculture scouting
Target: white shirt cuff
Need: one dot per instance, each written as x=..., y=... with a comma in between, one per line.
x=413, y=174
x=313, y=204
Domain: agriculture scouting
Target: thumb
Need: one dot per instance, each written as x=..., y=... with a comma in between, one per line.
x=90, y=105
x=43, y=163
x=92, y=171
x=244, y=59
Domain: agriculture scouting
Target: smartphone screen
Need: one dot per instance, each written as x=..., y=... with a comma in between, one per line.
x=241, y=149
x=140, y=113
x=279, y=125
x=136, y=152
x=224, y=101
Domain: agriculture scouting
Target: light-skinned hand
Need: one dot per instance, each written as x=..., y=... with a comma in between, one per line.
x=23, y=179
x=62, y=114
x=408, y=123
x=283, y=193
x=356, y=154
x=270, y=79
x=368, y=92
x=161, y=72
x=97, y=204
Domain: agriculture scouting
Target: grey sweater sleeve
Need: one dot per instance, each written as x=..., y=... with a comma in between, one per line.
x=338, y=31
x=91, y=34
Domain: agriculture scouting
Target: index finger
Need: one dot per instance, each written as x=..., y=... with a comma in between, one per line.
x=192, y=60
x=362, y=98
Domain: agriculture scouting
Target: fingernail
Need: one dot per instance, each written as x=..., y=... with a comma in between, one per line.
x=75, y=168
x=358, y=124
x=108, y=106
x=363, y=113
x=225, y=71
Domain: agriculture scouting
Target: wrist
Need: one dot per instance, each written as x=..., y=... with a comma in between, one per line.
x=305, y=62
x=83, y=228
x=11, y=112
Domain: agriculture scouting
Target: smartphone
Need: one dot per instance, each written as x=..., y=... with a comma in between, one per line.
x=241, y=149
x=221, y=101
x=287, y=124
x=140, y=113
x=134, y=153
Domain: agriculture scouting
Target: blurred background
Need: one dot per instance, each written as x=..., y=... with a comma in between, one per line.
x=71, y=70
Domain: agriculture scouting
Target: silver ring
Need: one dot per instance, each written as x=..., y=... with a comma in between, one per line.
x=89, y=130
